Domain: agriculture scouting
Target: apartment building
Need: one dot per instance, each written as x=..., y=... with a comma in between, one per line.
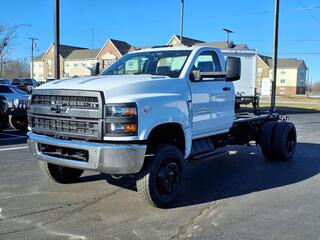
x=77, y=61
x=291, y=76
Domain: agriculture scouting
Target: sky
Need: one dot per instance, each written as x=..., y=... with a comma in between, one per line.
x=89, y=24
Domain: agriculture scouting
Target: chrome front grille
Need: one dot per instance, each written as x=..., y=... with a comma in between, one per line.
x=81, y=102
x=67, y=113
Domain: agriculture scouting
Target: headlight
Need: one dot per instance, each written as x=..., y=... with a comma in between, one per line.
x=9, y=103
x=121, y=120
x=122, y=111
x=16, y=103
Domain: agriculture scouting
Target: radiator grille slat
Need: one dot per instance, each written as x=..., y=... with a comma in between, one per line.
x=81, y=102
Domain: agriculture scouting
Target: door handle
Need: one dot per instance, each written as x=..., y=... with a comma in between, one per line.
x=226, y=89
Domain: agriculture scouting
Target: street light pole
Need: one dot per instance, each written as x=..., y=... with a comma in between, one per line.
x=56, y=39
x=275, y=55
x=181, y=22
x=33, y=46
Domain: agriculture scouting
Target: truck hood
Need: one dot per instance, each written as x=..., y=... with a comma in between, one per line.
x=119, y=86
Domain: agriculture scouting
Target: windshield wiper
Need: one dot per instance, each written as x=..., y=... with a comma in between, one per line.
x=141, y=73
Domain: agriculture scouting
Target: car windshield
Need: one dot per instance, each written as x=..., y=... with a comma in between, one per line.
x=165, y=63
x=22, y=82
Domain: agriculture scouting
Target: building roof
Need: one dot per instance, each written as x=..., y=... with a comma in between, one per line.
x=39, y=57
x=79, y=54
x=283, y=62
x=186, y=40
x=223, y=45
x=66, y=50
x=123, y=47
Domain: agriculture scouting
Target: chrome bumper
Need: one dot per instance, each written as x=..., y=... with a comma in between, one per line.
x=105, y=158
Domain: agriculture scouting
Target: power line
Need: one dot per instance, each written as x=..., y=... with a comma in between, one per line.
x=301, y=3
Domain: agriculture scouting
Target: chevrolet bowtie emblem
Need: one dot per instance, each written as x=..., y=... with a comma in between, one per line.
x=58, y=108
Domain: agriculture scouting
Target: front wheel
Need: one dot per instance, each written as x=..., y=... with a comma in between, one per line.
x=60, y=174
x=20, y=123
x=162, y=178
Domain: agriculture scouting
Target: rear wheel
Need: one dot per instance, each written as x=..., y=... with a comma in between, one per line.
x=162, y=178
x=266, y=140
x=285, y=141
x=60, y=174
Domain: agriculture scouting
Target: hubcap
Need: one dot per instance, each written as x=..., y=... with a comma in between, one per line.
x=168, y=178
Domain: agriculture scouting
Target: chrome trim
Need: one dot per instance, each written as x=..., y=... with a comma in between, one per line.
x=105, y=158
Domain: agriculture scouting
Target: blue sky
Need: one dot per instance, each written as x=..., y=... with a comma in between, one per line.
x=153, y=22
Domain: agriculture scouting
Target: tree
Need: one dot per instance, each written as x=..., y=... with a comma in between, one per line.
x=16, y=69
x=7, y=40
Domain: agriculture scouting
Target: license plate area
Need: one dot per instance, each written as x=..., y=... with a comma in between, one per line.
x=64, y=152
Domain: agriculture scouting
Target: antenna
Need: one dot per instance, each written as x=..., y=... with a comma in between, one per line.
x=228, y=35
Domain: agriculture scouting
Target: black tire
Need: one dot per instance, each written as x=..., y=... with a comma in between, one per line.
x=20, y=123
x=60, y=174
x=266, y=140
x=162, y=177
x=2, y=121
x=285, y=141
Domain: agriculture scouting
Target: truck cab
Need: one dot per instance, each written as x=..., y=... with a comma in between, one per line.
x=146, y=115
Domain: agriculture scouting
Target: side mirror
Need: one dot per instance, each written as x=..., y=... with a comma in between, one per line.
x=95, y=69
x=195, y=76
x=233, y=69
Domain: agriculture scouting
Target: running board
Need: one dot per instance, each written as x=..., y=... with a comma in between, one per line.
x=207, y=156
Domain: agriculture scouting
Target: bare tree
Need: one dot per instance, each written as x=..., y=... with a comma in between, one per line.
x=16, y=69
x=7, y=40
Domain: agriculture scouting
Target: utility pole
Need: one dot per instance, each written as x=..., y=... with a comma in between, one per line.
x=57, y=39
x=33, y=47
x=228, y=35
x=181, y=22
x=275, y=55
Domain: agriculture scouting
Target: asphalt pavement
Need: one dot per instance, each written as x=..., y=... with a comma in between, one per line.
x=236, y=196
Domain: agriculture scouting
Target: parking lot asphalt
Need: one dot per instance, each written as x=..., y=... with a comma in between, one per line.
x=236, y=196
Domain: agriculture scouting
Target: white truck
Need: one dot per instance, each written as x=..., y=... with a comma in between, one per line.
x=147, y=116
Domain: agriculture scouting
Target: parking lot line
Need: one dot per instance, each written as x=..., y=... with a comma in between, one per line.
x=13, y=148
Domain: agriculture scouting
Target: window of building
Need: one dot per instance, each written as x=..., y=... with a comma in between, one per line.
x=259, y=70
x=40, y=65
x=283, y=72
x=40, y=75
x=75, y=64
x=282, y=81
x=67, y=64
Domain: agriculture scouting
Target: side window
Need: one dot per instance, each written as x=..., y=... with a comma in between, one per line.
x=5, y=89
x=207, y=62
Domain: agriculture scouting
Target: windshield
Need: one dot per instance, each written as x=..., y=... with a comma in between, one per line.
x=22, y=82
x=167, y=63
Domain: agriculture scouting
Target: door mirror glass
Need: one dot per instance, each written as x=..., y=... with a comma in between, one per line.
x=95, y=69
x=233, y=69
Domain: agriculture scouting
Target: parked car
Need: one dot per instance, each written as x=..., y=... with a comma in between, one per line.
x=3, y=114
x=17, y=102
x=5, y=81
x=25, y=84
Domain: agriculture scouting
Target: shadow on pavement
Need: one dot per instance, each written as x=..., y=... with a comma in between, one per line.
x=243, y=173
x=10, y=137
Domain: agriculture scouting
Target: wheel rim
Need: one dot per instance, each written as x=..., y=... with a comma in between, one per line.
x=291, y=142
x=168, y=178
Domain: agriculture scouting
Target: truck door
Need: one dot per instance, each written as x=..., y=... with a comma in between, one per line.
x=212, y=99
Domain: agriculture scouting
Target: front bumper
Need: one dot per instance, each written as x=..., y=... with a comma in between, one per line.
x=105, y=158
